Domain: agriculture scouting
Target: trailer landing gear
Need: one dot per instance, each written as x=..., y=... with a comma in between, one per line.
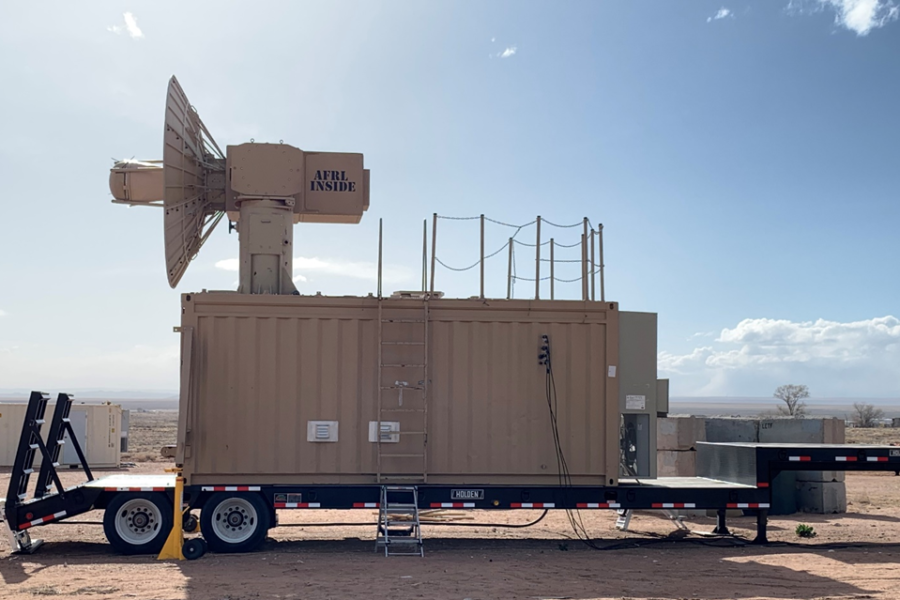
x=762, y=519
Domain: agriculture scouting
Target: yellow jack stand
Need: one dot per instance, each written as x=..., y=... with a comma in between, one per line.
x=174, y=543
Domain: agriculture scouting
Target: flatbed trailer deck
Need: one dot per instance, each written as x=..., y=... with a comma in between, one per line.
x=734, y=476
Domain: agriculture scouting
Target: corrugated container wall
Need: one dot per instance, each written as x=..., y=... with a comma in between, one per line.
x=258, y=369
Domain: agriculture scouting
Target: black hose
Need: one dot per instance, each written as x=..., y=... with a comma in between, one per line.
x=500, y=525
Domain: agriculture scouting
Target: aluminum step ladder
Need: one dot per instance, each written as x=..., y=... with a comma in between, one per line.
x=399, y=531
x=402, y=426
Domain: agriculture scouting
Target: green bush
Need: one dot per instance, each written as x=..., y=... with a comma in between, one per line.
x=805, y=531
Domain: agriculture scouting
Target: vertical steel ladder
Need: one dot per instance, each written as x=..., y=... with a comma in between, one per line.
x=403, y=354
x=399, y=531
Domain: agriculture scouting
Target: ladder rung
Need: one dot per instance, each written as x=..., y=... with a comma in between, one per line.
x=401, y=365
x=28, y=471
x=409, y=433
x=39, y=421
x=402, y=387
x=384, y=410
x=403, y=320
x=401, y=539
x=402, y=343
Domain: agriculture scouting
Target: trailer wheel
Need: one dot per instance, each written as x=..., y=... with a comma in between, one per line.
x=138, y=523
x=234, y=522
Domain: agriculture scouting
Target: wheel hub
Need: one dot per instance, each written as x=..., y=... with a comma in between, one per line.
x=235, y=519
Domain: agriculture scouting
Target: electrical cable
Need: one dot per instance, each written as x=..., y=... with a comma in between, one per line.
x=446, y=524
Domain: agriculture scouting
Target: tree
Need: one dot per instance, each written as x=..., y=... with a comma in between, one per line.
x=792, y=396
x=867, y=415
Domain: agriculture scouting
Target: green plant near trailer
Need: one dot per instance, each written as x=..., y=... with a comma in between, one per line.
x=805, y=531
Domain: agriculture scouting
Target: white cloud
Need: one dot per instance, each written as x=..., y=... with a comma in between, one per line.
x=130, y=27
x=305, y=267
x=854, y=359
x=510, y=50
x=721, y=14
x=859, y=16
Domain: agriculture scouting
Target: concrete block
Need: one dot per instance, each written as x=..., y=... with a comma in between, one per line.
x=679, y=433
x=730, y=429
x=784, y=494
x=801, y=431
x=805, y=431
x=822, y=498
x=821, y=476
x=676, y=463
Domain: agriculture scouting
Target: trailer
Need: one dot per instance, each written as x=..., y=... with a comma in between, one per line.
x=138, y=509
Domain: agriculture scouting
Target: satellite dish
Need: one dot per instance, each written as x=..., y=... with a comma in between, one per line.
x=194, y=183
x=263, y=188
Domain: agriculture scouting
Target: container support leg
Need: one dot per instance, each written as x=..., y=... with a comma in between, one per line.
x=762, y=519
x=721, y=523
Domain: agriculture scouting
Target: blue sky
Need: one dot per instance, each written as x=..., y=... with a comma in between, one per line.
x=742, y=157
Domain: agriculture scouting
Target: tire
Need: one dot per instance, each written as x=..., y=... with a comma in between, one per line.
x=138, y=523
x=190, y=523
x=193, y=549
x=234, y=522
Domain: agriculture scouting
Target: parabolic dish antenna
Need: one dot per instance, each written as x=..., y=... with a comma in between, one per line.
x=194, y=174
x=263, y=188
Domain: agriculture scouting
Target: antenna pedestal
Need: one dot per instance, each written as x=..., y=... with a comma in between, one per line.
x=266, y=231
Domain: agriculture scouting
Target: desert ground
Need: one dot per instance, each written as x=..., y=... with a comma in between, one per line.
x=855, y=555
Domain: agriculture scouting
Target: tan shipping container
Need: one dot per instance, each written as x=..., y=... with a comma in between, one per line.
x=260, y=368
x=100, y=424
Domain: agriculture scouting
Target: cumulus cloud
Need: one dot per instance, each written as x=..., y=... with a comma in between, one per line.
x=510, y=50
x=859, y=16
x=722, y=13
x=130, y=27
x=853, y=358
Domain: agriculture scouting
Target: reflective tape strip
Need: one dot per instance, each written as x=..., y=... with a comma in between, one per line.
x=532, y=505
x=748, y=505
x=598, y=505
x=845, y=458
x=877, y=458
x=799, y=458
x=452, y=505
x=365, y=505
x=230, y=488
x=674, y=505
x=297, y=505
x=763, y=484
x=134, y=489
x=58, y=515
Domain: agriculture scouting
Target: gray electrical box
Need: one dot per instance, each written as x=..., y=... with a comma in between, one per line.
x=638, y=385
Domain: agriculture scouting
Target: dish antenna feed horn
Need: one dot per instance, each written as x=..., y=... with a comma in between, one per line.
x=263, y=188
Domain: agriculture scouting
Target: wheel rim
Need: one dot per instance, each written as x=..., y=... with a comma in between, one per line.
x=234, y=520
x=138, y=521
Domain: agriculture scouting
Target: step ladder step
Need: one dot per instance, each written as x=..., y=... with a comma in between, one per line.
x=402, y=366
x=401, y=410
x=402, y=343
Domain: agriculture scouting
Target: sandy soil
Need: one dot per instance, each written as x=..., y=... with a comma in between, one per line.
x=856, y=555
